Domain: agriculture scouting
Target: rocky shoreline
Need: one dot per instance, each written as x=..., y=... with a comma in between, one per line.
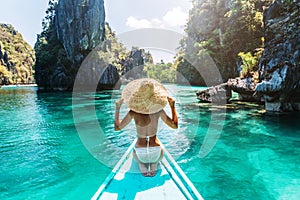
x=245, y=87
x=19, y=85
x=278, y=84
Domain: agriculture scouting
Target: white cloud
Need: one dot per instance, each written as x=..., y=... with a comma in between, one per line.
x=176, y=17
x=135, y=23
x=138, y=23
x=173, y=19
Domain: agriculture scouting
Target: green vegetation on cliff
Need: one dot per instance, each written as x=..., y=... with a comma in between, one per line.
x=16, y=57
x=164, y=72
x=112, y=51
x=56, y=66
x=249, y=64
x=222, y=29
x=49, y=50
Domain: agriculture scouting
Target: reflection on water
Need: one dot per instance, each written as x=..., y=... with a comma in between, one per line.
x=42, y=156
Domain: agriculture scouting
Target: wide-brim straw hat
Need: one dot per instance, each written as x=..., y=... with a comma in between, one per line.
x=145, y=96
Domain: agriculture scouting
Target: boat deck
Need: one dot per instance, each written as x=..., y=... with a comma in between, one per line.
x=126, y=182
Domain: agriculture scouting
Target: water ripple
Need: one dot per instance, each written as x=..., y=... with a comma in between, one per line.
x=42, y=155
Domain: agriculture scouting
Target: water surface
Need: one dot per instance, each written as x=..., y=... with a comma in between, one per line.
x=43, y=157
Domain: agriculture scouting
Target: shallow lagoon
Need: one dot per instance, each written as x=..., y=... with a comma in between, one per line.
x=45, y=155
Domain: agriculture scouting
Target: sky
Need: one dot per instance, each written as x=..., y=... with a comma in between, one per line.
x=128, y=15
x=122, y=15
x=25, y=16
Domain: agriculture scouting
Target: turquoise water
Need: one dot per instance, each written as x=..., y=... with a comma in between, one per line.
x=257, y=155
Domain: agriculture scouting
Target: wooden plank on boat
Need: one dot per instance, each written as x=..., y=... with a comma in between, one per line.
x=126, y=182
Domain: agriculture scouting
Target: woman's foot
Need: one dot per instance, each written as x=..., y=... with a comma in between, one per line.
x=144, y=169
x=153, y=169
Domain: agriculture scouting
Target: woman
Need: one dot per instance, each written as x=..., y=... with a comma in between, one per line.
x=146, y=99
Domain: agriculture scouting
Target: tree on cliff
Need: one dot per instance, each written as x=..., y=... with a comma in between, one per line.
x=221, y=28
x=48, y=48
x=71, y=31
x=164, y=72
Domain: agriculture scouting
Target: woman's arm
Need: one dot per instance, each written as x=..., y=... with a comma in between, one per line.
x=125, y=121
x=173, y=123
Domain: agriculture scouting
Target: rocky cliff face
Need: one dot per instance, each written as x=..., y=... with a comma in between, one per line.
x=216, y=94
x=80, y=26
x=77, y=29
x=16, y=57
x=279, y=65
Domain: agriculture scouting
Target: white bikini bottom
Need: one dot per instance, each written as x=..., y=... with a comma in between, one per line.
x=148, y=154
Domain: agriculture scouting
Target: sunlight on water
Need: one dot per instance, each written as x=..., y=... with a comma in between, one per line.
x=42, y=156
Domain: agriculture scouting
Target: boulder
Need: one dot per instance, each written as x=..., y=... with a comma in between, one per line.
x=215, y=94
x=245, y=87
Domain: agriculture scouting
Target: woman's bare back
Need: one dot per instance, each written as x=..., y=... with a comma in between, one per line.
x=146, y=124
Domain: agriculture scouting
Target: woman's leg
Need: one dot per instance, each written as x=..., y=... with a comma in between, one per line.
x=153, y=166
x=143, y=166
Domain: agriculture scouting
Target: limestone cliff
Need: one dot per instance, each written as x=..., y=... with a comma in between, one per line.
x=80, y=26
x=16, y=57
x=279, y=65
x=76, y=29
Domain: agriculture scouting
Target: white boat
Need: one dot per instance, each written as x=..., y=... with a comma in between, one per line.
x=126, y=182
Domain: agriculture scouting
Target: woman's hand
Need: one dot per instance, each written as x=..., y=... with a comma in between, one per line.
x=119, y=125
x=119, y=104
x=173, y=123
x=171, y=102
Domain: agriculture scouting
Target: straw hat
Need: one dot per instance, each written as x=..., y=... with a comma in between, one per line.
x=145, y=96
